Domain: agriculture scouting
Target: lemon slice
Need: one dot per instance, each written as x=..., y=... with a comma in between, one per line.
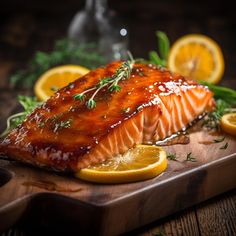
x=197, y=56
x=57, y=78
x=140, y=163
x=228, y=123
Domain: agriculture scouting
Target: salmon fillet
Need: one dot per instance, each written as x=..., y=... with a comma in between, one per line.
x=63, y=134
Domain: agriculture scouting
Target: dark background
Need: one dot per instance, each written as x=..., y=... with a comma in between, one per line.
x=30, y=25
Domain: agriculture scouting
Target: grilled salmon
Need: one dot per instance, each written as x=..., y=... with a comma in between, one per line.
x=64, y=134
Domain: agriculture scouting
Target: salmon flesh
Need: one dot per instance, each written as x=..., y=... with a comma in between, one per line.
x=65, y=135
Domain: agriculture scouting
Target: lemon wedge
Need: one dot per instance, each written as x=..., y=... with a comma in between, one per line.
x=197, y=56
x=56, y=78
x=140, y=163
x=228, y=123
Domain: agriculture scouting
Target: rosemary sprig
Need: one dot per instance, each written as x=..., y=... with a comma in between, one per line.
x=225, y=99
x=225, y=94
x=212, y=120
x=163, y=46
x=190, y=157
x=29, y=104
x=224, y=146
x=65, y=51
x=122, y=73
x=171, y=156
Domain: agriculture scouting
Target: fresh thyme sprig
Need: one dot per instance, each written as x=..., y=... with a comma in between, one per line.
x=29, y=104
x=172, y=156
x=225, y=99
x=212, y=120
x=112, y=83
x=190, y=157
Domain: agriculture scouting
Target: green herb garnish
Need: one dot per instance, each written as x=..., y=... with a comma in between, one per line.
x=219, y=140
x=171, y=156
x=212, y=120
x=224, y=146
x=29, y=104
x=190, y=157
x=164, y=47
x=62, y=124
x=65, y=51
x=225, y=99
x=225, y=94
x=123, y=72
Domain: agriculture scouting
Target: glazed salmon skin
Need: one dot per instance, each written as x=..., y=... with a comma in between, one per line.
x=65, y=135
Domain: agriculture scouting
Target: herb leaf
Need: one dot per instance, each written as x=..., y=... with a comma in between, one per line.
x=171, y=156
x=219, y=140
x=190, y=157
x=212, y=120
x=29, y=104
x=225, y=94
x=155, y=59
x=91, y=103
x=65, y=51
x=62, y=124
x=164, y=44
x=163, y=48
x=224, y=146
x=123, y=72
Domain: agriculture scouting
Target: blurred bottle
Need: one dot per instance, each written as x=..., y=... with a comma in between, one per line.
x=97, y=24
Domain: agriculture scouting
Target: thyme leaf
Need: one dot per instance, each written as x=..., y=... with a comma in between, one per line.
x=171, y=156
x=62, y=124
x=122, y=73
x=29, y=104
x=212, y=120
x=224, y=146
x=219, y=140
x=190, y=157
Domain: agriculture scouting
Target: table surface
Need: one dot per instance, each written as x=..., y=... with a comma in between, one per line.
x=216, y=216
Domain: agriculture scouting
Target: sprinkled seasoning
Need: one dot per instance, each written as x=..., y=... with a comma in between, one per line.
x=62, y=124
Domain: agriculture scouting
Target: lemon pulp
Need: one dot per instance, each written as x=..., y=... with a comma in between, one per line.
x=140, y=163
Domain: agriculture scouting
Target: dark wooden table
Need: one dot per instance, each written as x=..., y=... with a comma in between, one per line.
x=30, y=27
x=215, y=217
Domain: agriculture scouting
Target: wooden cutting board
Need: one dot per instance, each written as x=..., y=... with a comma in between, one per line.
x=65, y=203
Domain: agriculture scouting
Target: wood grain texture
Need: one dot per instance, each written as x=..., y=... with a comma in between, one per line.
x=212, y=216
x=184, y=223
